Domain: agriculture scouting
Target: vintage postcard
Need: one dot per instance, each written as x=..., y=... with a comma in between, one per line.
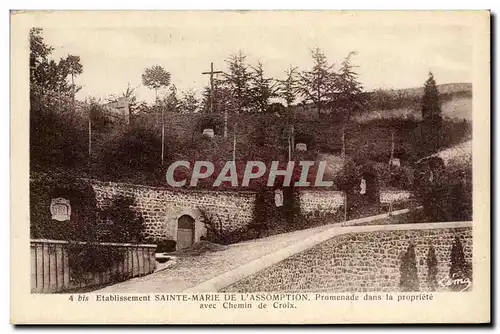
x=254, y=167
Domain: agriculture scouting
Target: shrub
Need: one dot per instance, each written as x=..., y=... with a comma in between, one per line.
x=165, y=246
x=210, y=121
x=45, y=187
x=92, y=258
x=432, y=269
x=264, y=212
x=459, y=268
x=120, y=223
x=408, y=271
x=136, y=154
x=58, y=136
x=216, y=232
x=270, y=219
x=449, y=196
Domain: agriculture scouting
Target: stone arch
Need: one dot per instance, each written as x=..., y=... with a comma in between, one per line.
x=172, y=222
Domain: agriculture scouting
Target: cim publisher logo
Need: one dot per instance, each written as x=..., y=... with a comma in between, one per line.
x=299, y=171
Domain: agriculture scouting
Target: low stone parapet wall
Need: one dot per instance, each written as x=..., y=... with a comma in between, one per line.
x=347, y=259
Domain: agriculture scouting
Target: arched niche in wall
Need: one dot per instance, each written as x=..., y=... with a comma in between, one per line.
x=186, y=226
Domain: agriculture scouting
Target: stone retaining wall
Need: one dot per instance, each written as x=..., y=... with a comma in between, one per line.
x=312, y=201
x=363, y=261
x=158, y=205
x=388, y=196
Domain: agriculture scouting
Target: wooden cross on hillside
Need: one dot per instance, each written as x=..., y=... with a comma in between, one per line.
x=212, y=72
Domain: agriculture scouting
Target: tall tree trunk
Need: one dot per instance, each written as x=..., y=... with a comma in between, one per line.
x=73, y=87
x=234, y=144
x=225, y=123
x=343, y=143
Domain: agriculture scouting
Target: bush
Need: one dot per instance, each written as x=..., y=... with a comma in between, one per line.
x=58, y=136
x=136, y=154
x=459, y=268
x=120, y=223
x=165, y=246
x=216, y=232
x=408, y=271
x=45, y=187
x=92, y=258
x=210, y=121
x=449, y=196
x=432, y=269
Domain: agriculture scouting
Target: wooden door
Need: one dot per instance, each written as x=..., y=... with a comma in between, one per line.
x=185, y=231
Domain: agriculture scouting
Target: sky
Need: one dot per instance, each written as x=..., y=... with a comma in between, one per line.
x=388, y=55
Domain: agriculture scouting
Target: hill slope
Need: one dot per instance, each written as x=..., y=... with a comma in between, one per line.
x=456, y=103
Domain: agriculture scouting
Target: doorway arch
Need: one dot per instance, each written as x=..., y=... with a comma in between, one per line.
x=185, y=231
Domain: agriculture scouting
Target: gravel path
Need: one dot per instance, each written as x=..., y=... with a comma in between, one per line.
x=190, y=271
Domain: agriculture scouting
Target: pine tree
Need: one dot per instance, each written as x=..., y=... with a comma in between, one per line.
x=432, y=268
x=287, y=88
x=431, y=115
x=261, y=89
x=238, y=81
x=408, y=271
x=316, y=84
x=430, y=101
x=347, y=97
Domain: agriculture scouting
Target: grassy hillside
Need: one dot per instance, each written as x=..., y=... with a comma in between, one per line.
x=448, y=88
x=133, y=154
x=456, y=103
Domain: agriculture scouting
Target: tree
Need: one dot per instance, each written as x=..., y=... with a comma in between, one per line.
x=408, y=271
x=432, y=269
x=288, y=88
x=189, y=103
x=261, y=89
x=48, y=75
x=171, y=102
x=430, y=100
x=39, y=53
x=205, y=100
x=316, y=84
x=155, y=78
x=57, y=137
x=71, y=66
x=238, y=81
x=347, y=97
x=223, y=101
x=431, y=114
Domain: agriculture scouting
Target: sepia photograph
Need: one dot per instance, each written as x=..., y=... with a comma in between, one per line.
x=286, y=159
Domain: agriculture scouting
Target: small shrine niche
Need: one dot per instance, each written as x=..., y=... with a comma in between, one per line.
x=301, y=147
x=362, y=186
x=395, y=162
x=208, y=133
x=278, y=197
